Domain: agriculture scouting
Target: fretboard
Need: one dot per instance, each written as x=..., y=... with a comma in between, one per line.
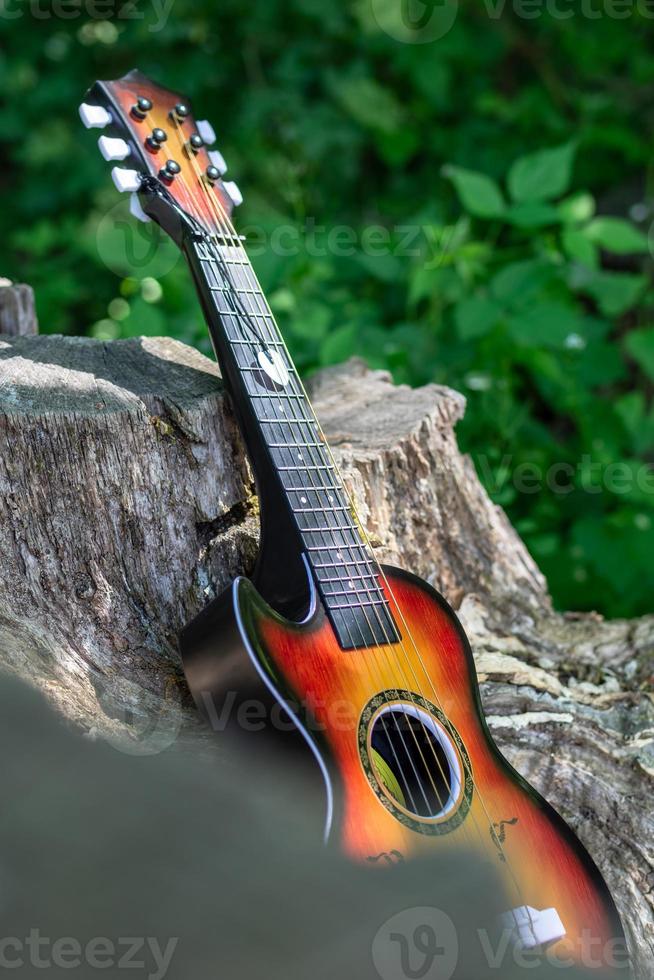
x=346, y=575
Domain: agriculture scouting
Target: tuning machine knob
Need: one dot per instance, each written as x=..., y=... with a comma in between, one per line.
x=94, y=116
x=233, y=192
x=157, y=138
x=113, y=149
x=141, y=108
x=206, y=131
x=126, y=180
x=180, y=112
x=217, y=161
x=170, y=170
x=136, y=210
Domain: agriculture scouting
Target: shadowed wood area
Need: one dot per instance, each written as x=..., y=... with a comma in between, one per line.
x=126, y=503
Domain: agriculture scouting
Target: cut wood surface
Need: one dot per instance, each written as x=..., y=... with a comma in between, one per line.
x=126, y=503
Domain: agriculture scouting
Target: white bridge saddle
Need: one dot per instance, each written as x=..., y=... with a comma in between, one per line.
x=534, y=928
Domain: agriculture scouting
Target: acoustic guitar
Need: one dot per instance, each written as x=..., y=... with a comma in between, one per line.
x=413, y=770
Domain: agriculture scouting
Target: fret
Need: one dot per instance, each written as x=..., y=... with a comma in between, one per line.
x=324, y=530
x=257, y=370
x=326, y=580
x=301, y=469
x=283, y=420
x=296, y=445
x=353, y=596
x=357, y=544
x=321, y=488
x=360, y=602
x=343, y=564
x=276, y=344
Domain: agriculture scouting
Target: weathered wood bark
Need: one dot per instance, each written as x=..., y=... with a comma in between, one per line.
x=126, y=502
x=17, y=309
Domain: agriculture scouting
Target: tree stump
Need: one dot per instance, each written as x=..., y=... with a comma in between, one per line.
x=126, y=503
x=17, y=310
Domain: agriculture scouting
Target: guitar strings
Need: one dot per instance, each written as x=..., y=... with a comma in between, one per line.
x=226, y=230
x=227, y=278
x=222, y=228
x=227, y=226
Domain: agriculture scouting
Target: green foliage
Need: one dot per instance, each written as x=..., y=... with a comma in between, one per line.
x=454, y=211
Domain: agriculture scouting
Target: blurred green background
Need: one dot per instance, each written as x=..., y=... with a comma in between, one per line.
x=473, y=209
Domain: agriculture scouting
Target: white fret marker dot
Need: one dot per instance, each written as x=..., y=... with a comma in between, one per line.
x=303, y=500
x=331, y=498
x=338, y=554
x=351, y=584
x=300, y=456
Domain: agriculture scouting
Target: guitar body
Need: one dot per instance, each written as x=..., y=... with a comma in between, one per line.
x=333, y=696
x=371, y=664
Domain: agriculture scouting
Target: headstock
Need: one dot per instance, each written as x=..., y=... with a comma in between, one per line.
x=168, y=164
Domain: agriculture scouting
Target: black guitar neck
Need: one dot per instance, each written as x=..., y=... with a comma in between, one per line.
x=303, y=498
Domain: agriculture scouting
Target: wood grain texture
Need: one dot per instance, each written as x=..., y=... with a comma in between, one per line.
x=17, y=309
x=116, y=530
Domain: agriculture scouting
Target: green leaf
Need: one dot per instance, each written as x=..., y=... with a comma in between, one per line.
x=310, y=321
x=387, y=267
x=480, y=195
x=543, y=175
x=579, y=248
x=546, y=325
x=630, y=409
x=614, y=292
x=640, y=344
x=520, y=283
x=339, y=345
x=616, y=235
x=532, y=214
x=475, y=317
x=577, y=208
x=369, y=103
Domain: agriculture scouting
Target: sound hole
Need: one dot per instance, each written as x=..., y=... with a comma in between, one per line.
x=415, y=761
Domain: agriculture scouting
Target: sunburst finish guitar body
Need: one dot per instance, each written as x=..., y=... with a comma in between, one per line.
x=370, y=662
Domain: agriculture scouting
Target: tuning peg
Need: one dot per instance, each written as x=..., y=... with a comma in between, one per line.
x=136, y=210
x=218, y=161
x=94, y=116
x=113, y=149
x=126, y=180
x=233, y=192
x=206, y=131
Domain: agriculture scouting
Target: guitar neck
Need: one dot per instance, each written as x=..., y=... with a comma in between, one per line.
x=270, y=399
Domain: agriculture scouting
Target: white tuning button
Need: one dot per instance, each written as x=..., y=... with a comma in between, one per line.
x=113, y=149
x=233, y=192
x=136, y=210
x=206, y=131
x=94, y=116
x=218, y=161
x=126, y=180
